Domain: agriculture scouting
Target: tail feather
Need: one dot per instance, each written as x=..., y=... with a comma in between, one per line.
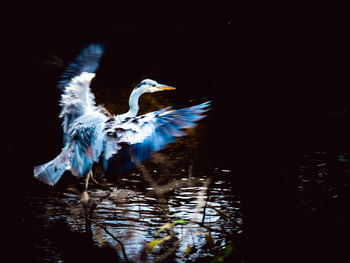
x=52, y=171
x=49, y=173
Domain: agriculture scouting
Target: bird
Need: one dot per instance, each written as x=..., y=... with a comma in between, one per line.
x=90, y=131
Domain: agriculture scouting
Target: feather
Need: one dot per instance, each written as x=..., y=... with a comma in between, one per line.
x=87, y=132
x=52, y=171
x=148, y=133
x=77, y=98
x=86, y=61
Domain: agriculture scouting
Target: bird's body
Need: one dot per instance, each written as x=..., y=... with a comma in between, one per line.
x=90, y=131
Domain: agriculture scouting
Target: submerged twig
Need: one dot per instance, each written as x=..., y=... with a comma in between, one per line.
x=167, y=254
x=110, y=234
x=205, y=208
x=221, y=212
x=190, y=169
x=198, y=208
x=163, y=189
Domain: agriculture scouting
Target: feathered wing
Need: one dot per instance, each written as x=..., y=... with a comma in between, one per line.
x=77, y=97
x=88, y=132
x=79, y=154
x=86, y=61
x=135, y=139
x=83, y=142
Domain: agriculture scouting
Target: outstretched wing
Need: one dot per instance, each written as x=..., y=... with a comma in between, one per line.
x=77, y=97
x=86, y=61
x=139, y=137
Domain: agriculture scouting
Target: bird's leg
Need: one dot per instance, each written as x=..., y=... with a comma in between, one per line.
x=85, y=201
x=93, y=178
x=90, y=175
x=87, y=179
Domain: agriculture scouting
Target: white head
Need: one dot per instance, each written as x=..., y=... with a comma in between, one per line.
x=150, y=86
x=145, y=86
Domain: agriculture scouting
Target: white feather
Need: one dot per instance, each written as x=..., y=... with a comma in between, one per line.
x=77, y=99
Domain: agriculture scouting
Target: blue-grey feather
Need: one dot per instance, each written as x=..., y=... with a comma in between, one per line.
x=168, y=125
x=81, y=163
x=87, y=133
x=52, y=171
x=86, y=61
x=49, y=173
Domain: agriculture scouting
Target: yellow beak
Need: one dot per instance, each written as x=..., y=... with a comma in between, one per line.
x=165, y=87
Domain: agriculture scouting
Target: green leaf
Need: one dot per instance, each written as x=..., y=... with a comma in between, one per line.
x=224, y=254
x=228, y=251
x=188, y=250
x=342, y=159
x=181, y=221
x=151, y=245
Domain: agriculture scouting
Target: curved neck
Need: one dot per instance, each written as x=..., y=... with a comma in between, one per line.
x=134, y=102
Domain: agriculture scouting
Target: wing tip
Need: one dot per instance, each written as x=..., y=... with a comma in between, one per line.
x=97, y=47
x=87, y=60
x=205, y=104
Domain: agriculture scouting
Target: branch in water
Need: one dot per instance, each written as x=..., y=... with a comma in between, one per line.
x=110, y=234
x=163, y=189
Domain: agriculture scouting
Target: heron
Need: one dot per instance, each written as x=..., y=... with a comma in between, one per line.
x=90, y=131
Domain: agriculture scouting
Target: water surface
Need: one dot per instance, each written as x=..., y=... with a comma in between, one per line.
x=197, y=216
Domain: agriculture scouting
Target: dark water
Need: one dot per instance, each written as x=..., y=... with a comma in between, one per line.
x=323, y=187
x=205, y=203
x=133, y=213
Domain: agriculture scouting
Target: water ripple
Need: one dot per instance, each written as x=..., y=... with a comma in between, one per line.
x=135, y=216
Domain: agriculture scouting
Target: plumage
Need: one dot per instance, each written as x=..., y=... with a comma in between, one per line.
x=89, y=131
x=82, y=119
x=86, y=61
x=152, y=131
x=52, y=171
x=77, y=98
